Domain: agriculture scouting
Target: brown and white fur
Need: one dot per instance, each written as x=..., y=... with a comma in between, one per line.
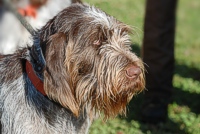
x=90, y=69
x=13, y=35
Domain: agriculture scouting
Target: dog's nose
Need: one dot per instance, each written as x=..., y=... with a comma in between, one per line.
x=133, y=72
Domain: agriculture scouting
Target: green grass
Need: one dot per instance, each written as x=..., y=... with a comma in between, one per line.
x=184, y=110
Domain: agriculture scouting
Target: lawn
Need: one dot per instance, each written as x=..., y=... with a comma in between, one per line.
x=184, y=109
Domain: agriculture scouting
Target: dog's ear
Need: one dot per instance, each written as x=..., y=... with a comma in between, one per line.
x=56, y=77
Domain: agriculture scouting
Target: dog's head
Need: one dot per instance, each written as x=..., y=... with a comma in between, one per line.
x=89, y=61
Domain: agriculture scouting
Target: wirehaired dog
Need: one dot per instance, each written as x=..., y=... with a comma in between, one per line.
x=90, y=69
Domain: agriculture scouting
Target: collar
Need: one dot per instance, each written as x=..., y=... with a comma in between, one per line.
x=30, y=11
x=36, y=81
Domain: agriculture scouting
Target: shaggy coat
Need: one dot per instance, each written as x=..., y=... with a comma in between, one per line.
x=89, y=69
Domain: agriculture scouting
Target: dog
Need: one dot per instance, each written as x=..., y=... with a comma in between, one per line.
x=90, y=70
x=37, y=12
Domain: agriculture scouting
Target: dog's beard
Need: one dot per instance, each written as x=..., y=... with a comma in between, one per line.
x=106, y=88
x=108, y=96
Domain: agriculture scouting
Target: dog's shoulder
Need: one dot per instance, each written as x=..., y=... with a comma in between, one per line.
x=11, y=65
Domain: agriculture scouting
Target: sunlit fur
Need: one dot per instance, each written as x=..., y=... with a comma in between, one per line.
x=87, y=53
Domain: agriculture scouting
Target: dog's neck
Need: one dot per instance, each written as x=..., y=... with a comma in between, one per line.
x=35, y=80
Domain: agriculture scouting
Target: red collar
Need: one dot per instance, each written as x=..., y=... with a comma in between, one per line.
x=30, y=10
x=38, y=84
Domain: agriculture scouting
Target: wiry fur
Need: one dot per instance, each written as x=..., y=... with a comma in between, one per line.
x=87, y=54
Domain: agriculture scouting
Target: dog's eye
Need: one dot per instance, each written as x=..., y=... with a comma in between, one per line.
x=104, y=39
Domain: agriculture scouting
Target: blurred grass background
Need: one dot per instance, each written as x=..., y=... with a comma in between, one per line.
x=184, y=109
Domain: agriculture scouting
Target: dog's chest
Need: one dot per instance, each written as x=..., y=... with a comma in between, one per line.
x=19, y=117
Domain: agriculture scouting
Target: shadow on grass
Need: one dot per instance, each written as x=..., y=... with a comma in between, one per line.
x=186, y=98
x=187, y=72
x=169, y=127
